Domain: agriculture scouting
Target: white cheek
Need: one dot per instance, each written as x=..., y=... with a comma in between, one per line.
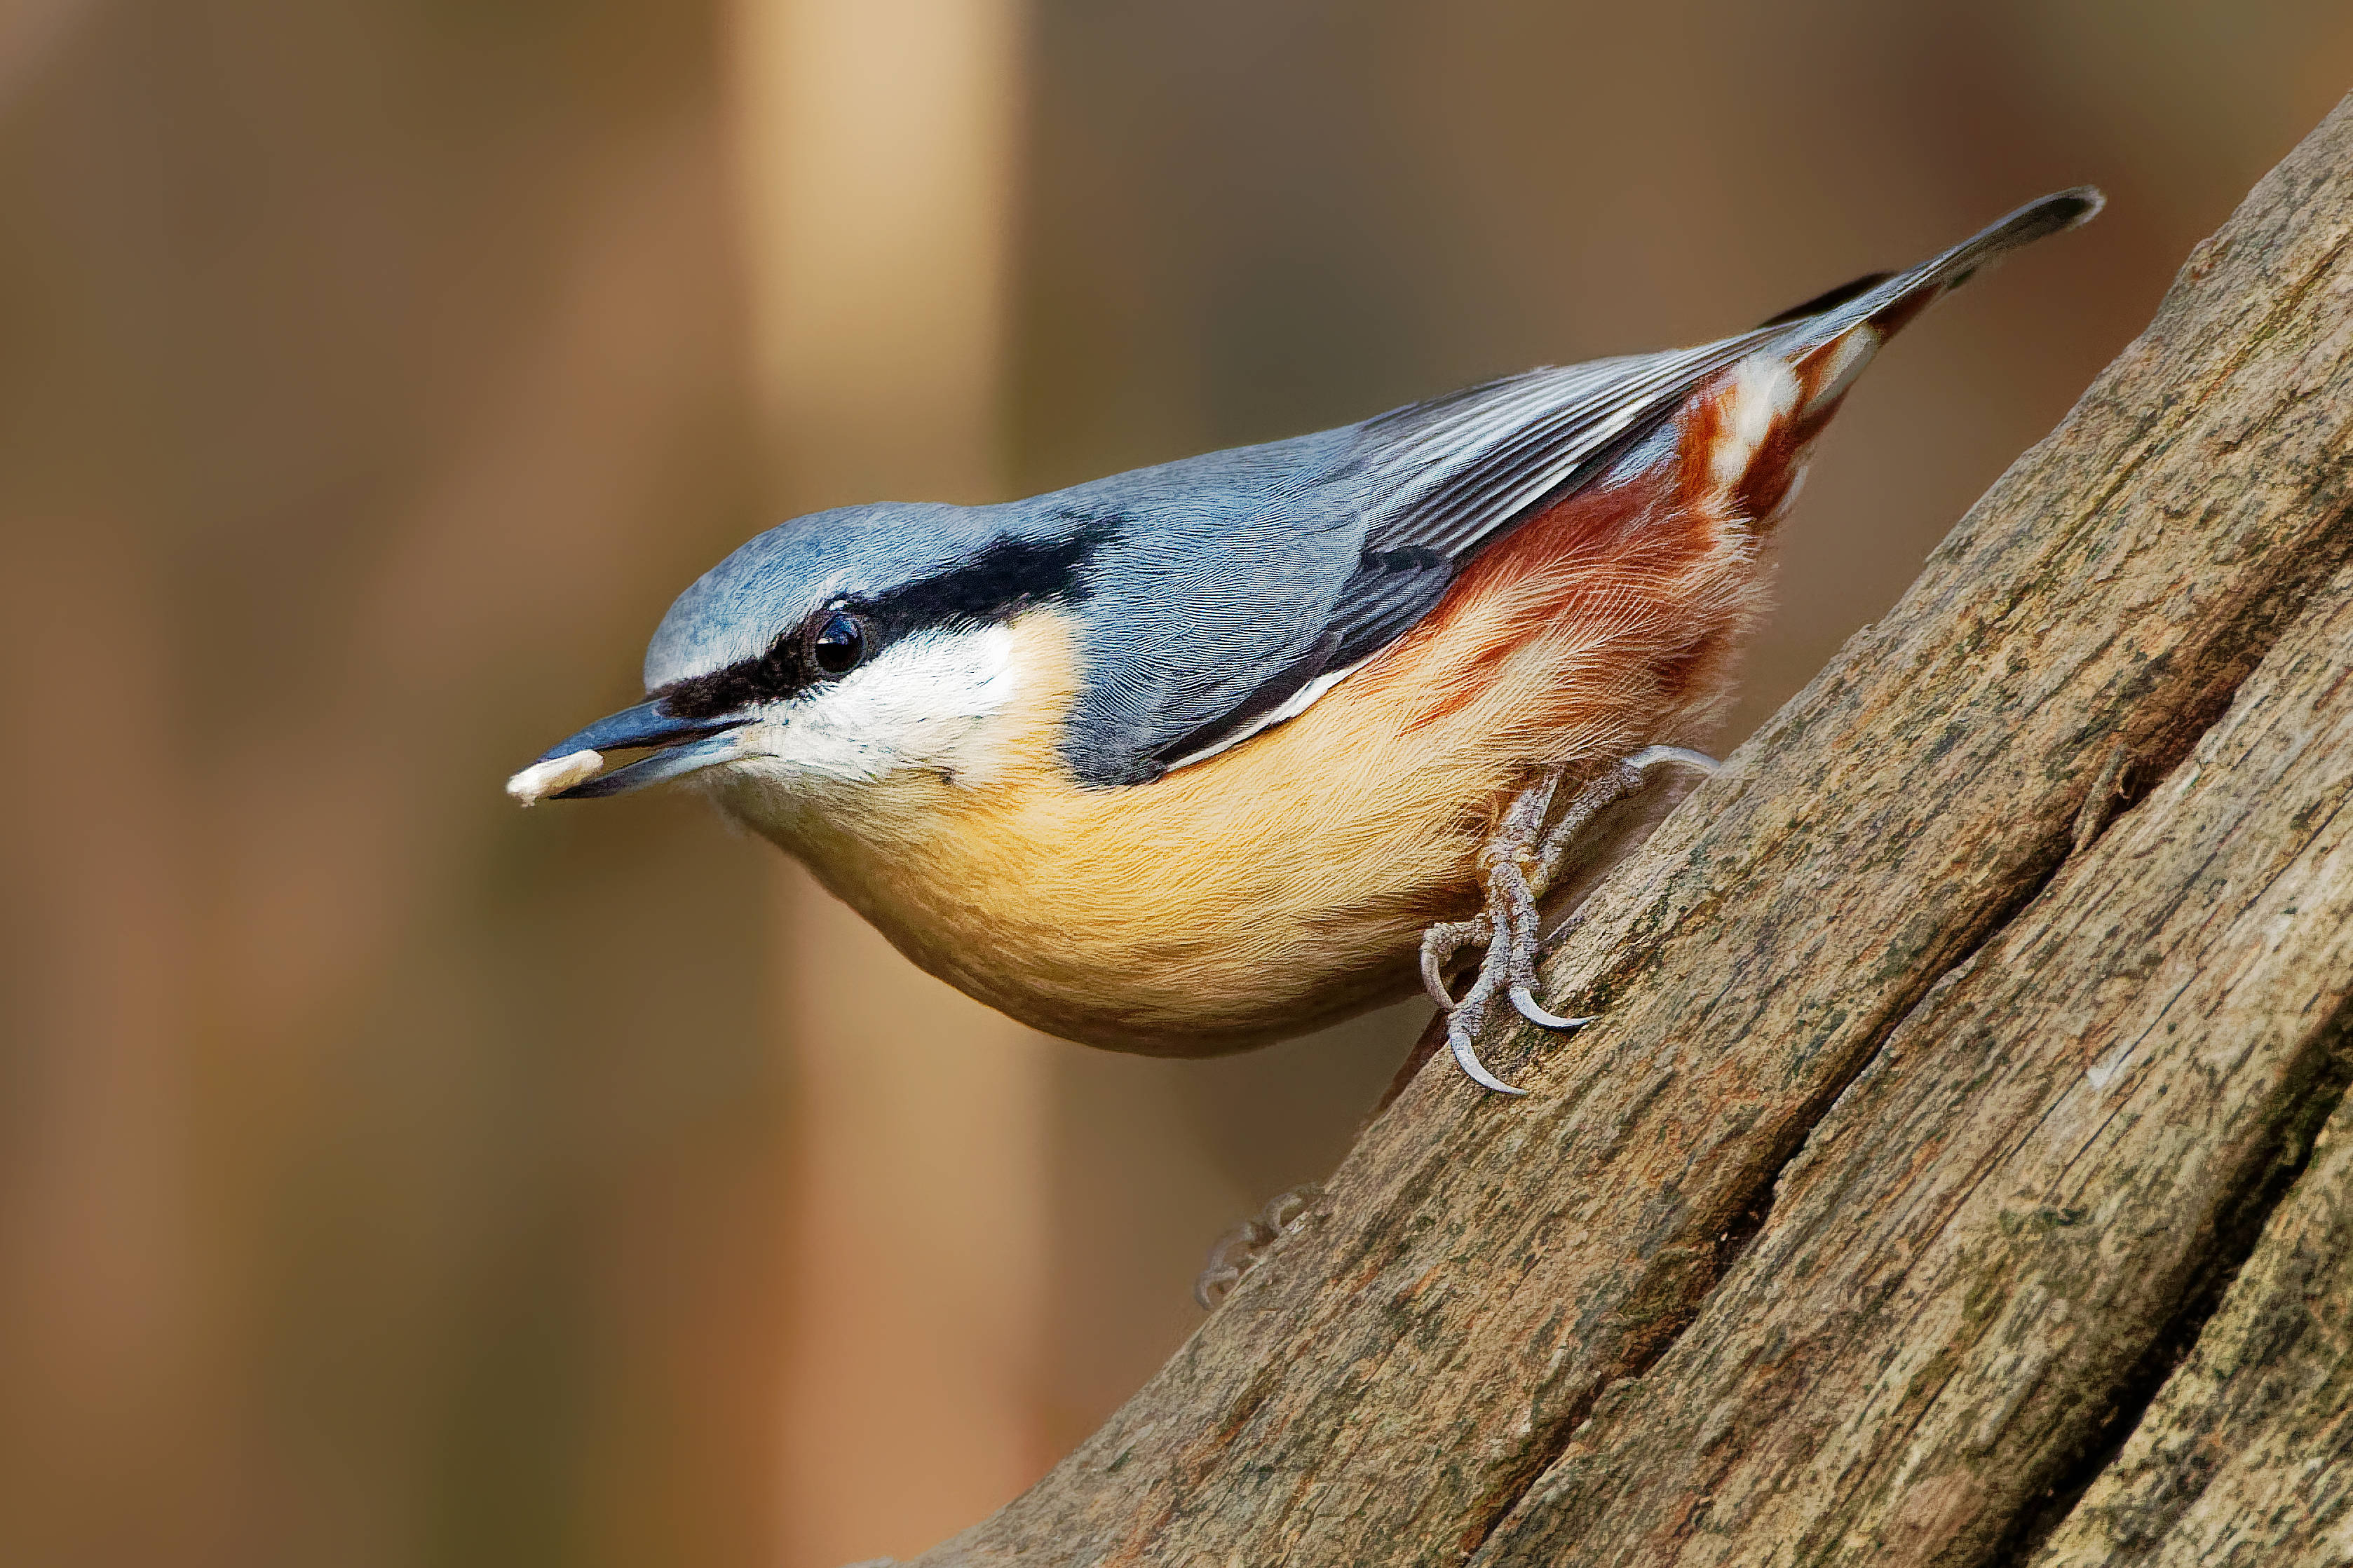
x=924, y=704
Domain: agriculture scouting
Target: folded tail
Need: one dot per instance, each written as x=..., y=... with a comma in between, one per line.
x=1888, y=302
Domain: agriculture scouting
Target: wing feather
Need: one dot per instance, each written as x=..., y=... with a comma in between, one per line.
x=1423, y=489
x=1460, y=470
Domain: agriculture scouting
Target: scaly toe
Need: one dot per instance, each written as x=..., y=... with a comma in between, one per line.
x=1439, y=944
x=1518, y=865
x=1248, y=1244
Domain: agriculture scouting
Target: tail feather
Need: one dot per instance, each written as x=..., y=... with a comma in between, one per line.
x=1827, y=299
x=1890, y=305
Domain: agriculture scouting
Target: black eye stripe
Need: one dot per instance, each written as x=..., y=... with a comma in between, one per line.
x=775, y=673
x=792, y=664
x=1009, y=576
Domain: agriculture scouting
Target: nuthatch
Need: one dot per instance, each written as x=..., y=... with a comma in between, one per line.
x=1195, y=758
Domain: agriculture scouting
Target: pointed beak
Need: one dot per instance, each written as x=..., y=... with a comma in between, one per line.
x=573, y=768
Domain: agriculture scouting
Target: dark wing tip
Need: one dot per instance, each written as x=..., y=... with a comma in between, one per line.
x=2055, y=213
x=2080, y=204
x=1828, y=300
x=2038, y=219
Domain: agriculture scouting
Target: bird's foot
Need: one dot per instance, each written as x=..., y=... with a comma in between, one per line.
x=1517, y=868
x=1246, y=1245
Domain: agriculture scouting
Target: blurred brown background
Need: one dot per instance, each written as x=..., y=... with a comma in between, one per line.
x=391, y=1177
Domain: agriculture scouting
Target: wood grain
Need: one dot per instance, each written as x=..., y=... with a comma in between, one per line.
x=2043, y=1096
x=2247, y=1456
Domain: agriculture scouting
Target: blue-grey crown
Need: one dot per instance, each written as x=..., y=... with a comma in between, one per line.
x=737, y=610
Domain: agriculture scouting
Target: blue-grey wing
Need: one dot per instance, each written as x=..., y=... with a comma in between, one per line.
x=1240, y=586
x=1378, y=600
x=1460, y=472
x=1227, y=584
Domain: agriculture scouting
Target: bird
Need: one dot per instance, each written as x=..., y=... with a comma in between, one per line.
x=1215, y=753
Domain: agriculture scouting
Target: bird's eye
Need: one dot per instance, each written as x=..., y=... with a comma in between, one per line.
x=838, y=643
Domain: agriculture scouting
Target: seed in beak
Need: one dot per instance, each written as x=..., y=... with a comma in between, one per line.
x=556, y=775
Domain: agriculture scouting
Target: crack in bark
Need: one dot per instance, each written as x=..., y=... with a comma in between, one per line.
x=2323, y=1074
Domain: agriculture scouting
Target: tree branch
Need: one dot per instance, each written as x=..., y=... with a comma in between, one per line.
x=1934, y=1105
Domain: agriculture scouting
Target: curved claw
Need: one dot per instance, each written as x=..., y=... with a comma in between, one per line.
x=1432, y=980
x=1458, y=1040
x=1650, y=757
x=1525, y=1001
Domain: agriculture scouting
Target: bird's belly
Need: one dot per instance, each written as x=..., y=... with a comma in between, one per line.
x=1155, y=931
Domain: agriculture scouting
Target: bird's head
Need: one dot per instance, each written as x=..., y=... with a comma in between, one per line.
x=839, y=650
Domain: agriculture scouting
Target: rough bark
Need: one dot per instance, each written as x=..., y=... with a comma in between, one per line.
x=2247, y=1456
x=1959, y=1039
